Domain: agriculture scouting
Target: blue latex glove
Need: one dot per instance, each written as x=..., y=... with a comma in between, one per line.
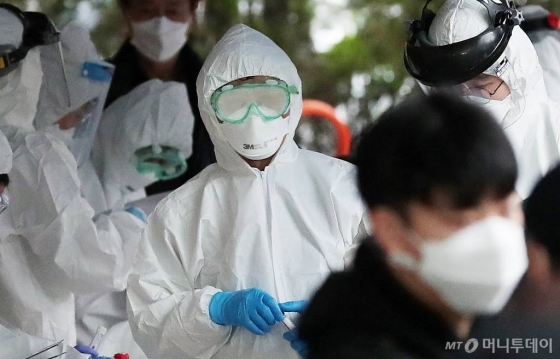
x=295, y=342
x=84, y=349
x=253, y=309
x=136, y=212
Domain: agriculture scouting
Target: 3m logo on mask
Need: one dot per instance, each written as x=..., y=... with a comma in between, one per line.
x=258, y=146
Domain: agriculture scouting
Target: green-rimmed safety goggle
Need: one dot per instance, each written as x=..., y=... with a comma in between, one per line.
x=164, y=162
x=270, y=100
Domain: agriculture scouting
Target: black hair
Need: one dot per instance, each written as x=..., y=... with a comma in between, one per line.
x=434, y=143
x=4, y=179
x=542, y=214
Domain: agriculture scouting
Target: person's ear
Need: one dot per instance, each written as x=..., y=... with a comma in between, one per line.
x=539, y=271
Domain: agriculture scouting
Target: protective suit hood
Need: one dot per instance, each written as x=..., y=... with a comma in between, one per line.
x=244, y=52
x=519, y=67
x=80, y=56
x=154, y=113
x=5, y=154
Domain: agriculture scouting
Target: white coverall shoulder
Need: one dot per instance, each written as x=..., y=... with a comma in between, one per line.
x=155, y=113
x=234, y=227
x=547, y=45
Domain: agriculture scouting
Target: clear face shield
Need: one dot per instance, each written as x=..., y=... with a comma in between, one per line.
x=270, y=100
x=78, y=128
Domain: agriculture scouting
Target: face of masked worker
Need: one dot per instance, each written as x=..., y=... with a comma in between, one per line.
x=159, y=27
x=253, y=114
x=472, y=258
x=70, y=127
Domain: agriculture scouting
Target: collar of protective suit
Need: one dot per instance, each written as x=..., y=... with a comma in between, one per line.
x=244, y=52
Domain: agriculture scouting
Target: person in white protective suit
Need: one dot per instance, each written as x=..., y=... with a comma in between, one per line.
x=50, y=244
x=492, y=63
x=251, y=236
x=143, y=136
x=543, y=28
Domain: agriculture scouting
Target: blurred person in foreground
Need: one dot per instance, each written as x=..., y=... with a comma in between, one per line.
x=438, y=176
x=157, y=48
x=534, y=309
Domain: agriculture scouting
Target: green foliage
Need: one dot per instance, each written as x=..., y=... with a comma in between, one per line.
x=374, y=55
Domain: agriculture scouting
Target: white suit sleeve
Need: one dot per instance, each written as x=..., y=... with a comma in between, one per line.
x=352, y=216
x=47, y=209
x=167, y=308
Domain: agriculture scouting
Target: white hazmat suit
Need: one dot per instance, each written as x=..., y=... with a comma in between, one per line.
x=50, y=245
x=530, y=119
x=547, y=45
x=235, y=227
x=154, y=113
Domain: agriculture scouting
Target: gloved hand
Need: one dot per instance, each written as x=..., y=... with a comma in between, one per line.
x=136, y=212
x=84, y=349
x=295, y=342
x=253, y=309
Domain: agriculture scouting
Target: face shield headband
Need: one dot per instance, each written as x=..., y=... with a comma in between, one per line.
x=550, y=22
x=463, y=60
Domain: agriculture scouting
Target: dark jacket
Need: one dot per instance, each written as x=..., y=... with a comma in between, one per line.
x=365, y=313
x=128, y=75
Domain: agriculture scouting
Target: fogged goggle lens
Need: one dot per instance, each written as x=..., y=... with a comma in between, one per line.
x=270, y=100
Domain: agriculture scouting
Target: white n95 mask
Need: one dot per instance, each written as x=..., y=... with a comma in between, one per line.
x=476, y=270
x=255, y=138
x=159, y=39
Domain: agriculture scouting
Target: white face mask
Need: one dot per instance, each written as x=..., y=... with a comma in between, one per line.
x=499, y=109
x=477, y=268
x=256, y=139
x=159, y=39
